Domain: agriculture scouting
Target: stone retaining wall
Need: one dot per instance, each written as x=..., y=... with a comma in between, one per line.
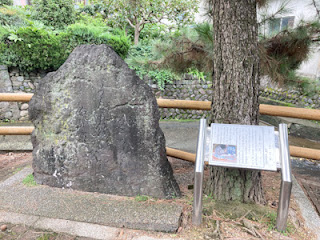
x=17, y=82
x=293, y=97
x=202, y=90
x=189, y=88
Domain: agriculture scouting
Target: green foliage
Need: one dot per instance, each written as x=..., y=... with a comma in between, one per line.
x=140, y=13
x=29, y=181
x=79, y=33
x=141, y=198
x=153, y=32
x=6, y=2
x=159, y=76
x=47, y=236
x=285, y=52
x=192, y=48
x=3, y=31
x=55, y=13
x=307, y=86
x=141, y=60
x=10, y=17
x=31, y=48
x=271, y=220
x=196, y=73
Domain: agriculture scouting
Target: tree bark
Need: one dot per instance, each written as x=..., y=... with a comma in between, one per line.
x=136, y=34
x=235, y=91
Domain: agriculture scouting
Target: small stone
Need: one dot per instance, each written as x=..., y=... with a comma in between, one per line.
x=20, y=78
x=8, y=115
x=23, y=113
x=3, y=227
x=16, y=84
x=31, y=85
x=202, y=91
x=24, y=106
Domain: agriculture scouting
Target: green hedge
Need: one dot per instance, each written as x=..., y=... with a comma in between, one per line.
x=10, y=17
x=31, y=48
x=55, y=13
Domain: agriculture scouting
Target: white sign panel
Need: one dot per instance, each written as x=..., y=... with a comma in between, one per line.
x=243, y=146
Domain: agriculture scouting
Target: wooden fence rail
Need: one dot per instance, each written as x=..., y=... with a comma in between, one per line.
x=302, y=113
x=311, y=114
x=294, y=151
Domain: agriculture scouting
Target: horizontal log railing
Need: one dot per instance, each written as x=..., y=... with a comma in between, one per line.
x=302, y=113
x=311, y=114
x=264, y=109
x=15, y=97
x=294, y=151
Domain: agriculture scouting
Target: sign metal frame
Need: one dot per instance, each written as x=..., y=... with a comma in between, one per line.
x=285, y=166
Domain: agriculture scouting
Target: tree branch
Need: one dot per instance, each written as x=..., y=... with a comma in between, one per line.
x=130, y=23
x=316, y=7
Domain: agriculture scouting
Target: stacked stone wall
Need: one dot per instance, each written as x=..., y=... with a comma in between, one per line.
x=293, y=97
x=188, y=88
x=18, y=82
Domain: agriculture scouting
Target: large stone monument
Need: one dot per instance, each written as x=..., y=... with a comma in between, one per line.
x=96, y=129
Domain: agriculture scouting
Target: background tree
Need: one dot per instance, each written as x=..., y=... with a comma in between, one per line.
x=55, y=13
x=138, y=13
x=235, y=91
x=6, y=2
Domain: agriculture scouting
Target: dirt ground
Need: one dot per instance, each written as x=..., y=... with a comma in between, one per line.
x=221, y=220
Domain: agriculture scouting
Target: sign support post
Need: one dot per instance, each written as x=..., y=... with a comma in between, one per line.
x=248, y=147
x=286, y=179
x=198, y=175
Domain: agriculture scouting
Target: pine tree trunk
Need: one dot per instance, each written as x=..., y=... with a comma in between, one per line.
x=235, y=91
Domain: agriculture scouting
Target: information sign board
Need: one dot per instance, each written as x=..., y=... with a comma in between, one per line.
x=243, y=146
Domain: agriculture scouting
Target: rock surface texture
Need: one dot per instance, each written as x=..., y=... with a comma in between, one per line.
x=96, y=129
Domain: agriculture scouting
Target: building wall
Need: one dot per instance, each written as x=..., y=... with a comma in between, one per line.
x=20, y=2
x=302, y=10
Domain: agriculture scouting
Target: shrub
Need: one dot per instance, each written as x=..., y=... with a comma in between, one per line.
x=31, y=48
x=10, y=17
x=55, y=13
x=83, y=34
x=6, y=2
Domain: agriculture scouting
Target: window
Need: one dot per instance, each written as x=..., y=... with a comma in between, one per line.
x=279, y=24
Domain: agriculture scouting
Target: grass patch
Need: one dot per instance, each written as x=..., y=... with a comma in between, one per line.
x=47, y=236
x=235, y=210
x=17, y=170
x=29, y=181
x=141, y=198
x=277, y=102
